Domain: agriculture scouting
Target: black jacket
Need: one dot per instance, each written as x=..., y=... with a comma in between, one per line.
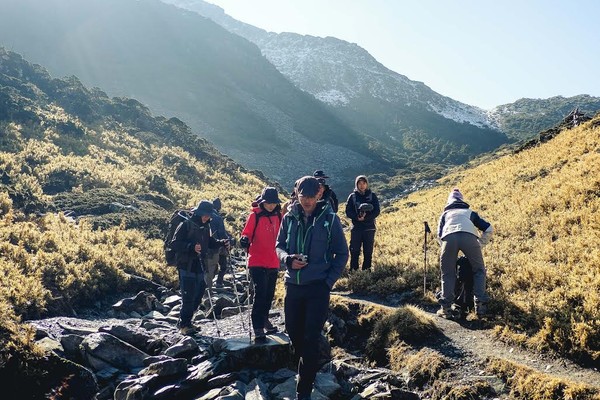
x=329, y=195
x=187, y=234
x=354, y=201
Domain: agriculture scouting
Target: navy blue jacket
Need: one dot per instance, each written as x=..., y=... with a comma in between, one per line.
x=321, y=238
x=217, y=226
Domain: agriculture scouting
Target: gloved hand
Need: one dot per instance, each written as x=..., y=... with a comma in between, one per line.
x=483, y=240
x=485, y=237
x=244, y=242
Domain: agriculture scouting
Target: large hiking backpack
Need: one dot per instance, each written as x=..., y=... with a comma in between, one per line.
x=177, y=217
x=464, y=285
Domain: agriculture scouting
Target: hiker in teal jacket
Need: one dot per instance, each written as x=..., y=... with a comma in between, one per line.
x=312, y=244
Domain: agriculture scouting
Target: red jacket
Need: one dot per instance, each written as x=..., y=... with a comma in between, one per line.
x=262, y=246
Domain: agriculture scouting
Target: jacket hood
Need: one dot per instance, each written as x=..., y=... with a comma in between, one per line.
x=360, y=178
x=456, y=204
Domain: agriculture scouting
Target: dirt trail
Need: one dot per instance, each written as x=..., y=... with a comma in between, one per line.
x=467, y=344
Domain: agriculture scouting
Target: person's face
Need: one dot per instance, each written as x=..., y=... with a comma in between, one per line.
x=205, y=218
x=308, y=203
x=269, y=206
x=362, y=186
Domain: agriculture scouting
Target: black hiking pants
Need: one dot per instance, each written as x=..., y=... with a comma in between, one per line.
x=361, y=238
x=222, y=267
x=306, y=309
x=192, y=287
x=264, y=280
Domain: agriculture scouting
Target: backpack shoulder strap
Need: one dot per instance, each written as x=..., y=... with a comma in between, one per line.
x=256, y=218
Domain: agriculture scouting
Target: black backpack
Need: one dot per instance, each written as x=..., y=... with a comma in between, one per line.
x=464, y=284
x=177, y=217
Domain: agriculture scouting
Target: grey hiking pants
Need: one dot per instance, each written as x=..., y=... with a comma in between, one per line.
x=469, y=245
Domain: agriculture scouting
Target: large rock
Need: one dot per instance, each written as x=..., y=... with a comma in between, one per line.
x=240, y=353
x=141, y=304
x=113, y=351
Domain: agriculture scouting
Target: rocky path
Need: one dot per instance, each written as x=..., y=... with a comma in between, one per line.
x=469, y=345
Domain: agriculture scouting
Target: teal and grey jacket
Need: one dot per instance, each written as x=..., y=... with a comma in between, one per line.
x=321, y=238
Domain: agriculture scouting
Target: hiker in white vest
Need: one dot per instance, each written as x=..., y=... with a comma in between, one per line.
x=459, y=230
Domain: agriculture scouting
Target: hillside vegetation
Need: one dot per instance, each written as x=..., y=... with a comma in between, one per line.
x=544, y=260
x=116, y=171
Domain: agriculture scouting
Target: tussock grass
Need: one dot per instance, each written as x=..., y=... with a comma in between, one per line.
x=526, y=383
x=544, y=260
x=458, y=391
x=421, y=368
x=407, y=324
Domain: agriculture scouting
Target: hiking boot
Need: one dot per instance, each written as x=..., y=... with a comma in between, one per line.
x=188, y=330
x=445, y=312
x=459, y=312
x=270, y=328
x=260, y=339
x=259, y=336
x=481, y=309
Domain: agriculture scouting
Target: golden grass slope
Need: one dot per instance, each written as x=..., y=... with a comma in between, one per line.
x=544, y=259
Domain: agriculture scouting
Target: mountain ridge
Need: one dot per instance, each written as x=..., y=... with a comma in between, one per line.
x=278, y=48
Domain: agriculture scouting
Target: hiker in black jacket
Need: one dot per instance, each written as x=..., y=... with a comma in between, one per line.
x=362, y=207
x=327, y=193
x=191, y=241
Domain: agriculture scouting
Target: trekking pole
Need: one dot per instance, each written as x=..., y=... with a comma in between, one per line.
x=235, y=290
x=212, y=307
x=248, y=298
x=427, y=230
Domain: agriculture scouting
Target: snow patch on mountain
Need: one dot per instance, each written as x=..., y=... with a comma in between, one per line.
x=333, y=97
x=464, y=113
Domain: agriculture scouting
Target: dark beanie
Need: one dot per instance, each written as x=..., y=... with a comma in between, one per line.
x=217, y=203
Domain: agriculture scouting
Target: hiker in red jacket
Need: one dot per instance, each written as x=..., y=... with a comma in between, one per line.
x=259, y=236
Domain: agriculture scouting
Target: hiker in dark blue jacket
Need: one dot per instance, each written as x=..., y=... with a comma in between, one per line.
x=216, y=258
x=312, y=244
x=458, y=230
x=362, y=207
x=191, y=240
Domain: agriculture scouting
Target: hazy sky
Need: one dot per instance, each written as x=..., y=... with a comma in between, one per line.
x=481, y=52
